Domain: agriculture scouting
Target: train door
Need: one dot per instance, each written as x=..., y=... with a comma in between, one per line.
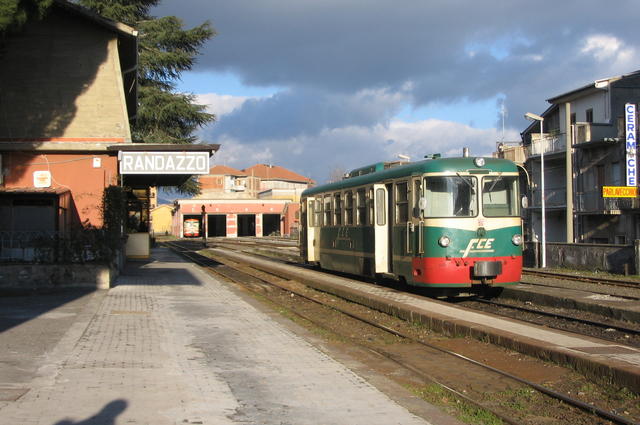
x=415, y=230
x=311, y=227
x=381, y=228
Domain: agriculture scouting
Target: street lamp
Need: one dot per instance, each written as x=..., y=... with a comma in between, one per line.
x=534, y=117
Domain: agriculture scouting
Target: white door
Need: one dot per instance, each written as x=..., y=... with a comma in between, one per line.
x=312, y=230
x=381, y=229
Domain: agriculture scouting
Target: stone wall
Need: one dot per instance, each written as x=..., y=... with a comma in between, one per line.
x=593, y=257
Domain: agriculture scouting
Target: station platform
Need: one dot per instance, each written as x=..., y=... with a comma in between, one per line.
x=602, y=360
x=614, y=306
x=169, y=344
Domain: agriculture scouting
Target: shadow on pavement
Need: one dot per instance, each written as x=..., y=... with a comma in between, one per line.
x=106, y=416
x=17, y=309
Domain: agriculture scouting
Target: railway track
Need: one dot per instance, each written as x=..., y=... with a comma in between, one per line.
x=579, y=278
x=569, y=320
x=621, y=333
x=256, y=280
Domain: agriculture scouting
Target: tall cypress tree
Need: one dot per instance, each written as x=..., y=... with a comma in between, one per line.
x=165, y=51
x=15, y=13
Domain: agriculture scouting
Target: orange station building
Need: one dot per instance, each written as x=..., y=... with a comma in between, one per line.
x=261, y=200
x=68, y=85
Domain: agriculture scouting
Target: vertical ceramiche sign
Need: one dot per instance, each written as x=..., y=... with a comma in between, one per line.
x=630, y=132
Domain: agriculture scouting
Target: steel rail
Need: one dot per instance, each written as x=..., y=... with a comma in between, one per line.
x=549, y=392
x=560, y=316
x=626, y=297
x=568, y=276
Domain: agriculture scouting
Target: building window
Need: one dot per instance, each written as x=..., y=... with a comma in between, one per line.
x=573, y=118
x=621, y=240
x=590, y=115
x=600, y=175
x=616, y=174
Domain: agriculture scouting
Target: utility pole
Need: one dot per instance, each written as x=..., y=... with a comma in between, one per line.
x=569, y=170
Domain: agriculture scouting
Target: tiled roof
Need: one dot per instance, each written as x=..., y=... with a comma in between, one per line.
x=223, y=170
x=275, y=172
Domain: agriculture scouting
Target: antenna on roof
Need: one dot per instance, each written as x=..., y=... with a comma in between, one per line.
x=503, y=112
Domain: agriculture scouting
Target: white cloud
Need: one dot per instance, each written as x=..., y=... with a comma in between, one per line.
x=221, y=104
x=354, y=146
x=605, y=47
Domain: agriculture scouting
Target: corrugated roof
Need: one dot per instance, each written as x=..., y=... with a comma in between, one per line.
x=223, y=170
x=275, y=172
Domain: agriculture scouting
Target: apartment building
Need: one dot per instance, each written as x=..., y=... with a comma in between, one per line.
x=583, y=145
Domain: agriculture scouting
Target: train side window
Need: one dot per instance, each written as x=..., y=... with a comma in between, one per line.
x=337, y=213
x=327, y=210
x=348, y=208
x=371, y=205
x=402, y=203
x=318, y=213
x=417, y=194
x=361, y=205
x=380, y=207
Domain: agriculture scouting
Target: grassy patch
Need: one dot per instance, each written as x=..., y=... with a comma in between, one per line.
x=453, y=405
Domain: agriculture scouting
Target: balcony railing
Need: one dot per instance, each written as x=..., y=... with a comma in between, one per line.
x=553, y=198
x=593, y=201
x=550, y=143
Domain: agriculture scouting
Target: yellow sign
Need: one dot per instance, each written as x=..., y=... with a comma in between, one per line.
x=619, y=191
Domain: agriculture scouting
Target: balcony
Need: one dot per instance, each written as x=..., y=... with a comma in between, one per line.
x=593, y=132
x=550, y=143
x=592, y=201
x=555, y=197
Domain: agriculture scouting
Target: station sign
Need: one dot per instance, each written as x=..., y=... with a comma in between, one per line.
x=164, y=162
x=619, y=191
x=630, y=132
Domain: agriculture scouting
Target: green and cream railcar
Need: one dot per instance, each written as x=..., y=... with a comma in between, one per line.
x=450, y=222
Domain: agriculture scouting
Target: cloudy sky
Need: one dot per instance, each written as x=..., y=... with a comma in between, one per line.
x=319, y=86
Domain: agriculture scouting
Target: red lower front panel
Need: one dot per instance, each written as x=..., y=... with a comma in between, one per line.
x=459, y=271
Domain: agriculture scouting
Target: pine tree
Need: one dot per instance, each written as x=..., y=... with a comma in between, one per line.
x=166, y=50
x=15, y=13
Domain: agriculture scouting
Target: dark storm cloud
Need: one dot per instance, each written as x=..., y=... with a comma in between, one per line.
x=304, y=112
x=346, y=67
x=351, y=45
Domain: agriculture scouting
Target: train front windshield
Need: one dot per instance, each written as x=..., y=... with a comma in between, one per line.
x=458, y=196
x=500, y=196
x=451, y=196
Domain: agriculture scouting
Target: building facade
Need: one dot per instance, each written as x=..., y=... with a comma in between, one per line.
x=584, y=149
x=57, y=76
x=262, y=200
x=69, y=93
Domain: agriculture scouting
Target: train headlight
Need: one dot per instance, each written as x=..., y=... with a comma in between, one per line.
x=444, y=241
x=479, y=162
x=517, y=240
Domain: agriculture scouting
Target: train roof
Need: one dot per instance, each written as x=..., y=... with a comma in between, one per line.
x=415, y=168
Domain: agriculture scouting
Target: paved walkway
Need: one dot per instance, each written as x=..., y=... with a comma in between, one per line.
x=171, y=345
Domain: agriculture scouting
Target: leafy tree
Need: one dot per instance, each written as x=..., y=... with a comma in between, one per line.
x=15, y=13
x=165, y=51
